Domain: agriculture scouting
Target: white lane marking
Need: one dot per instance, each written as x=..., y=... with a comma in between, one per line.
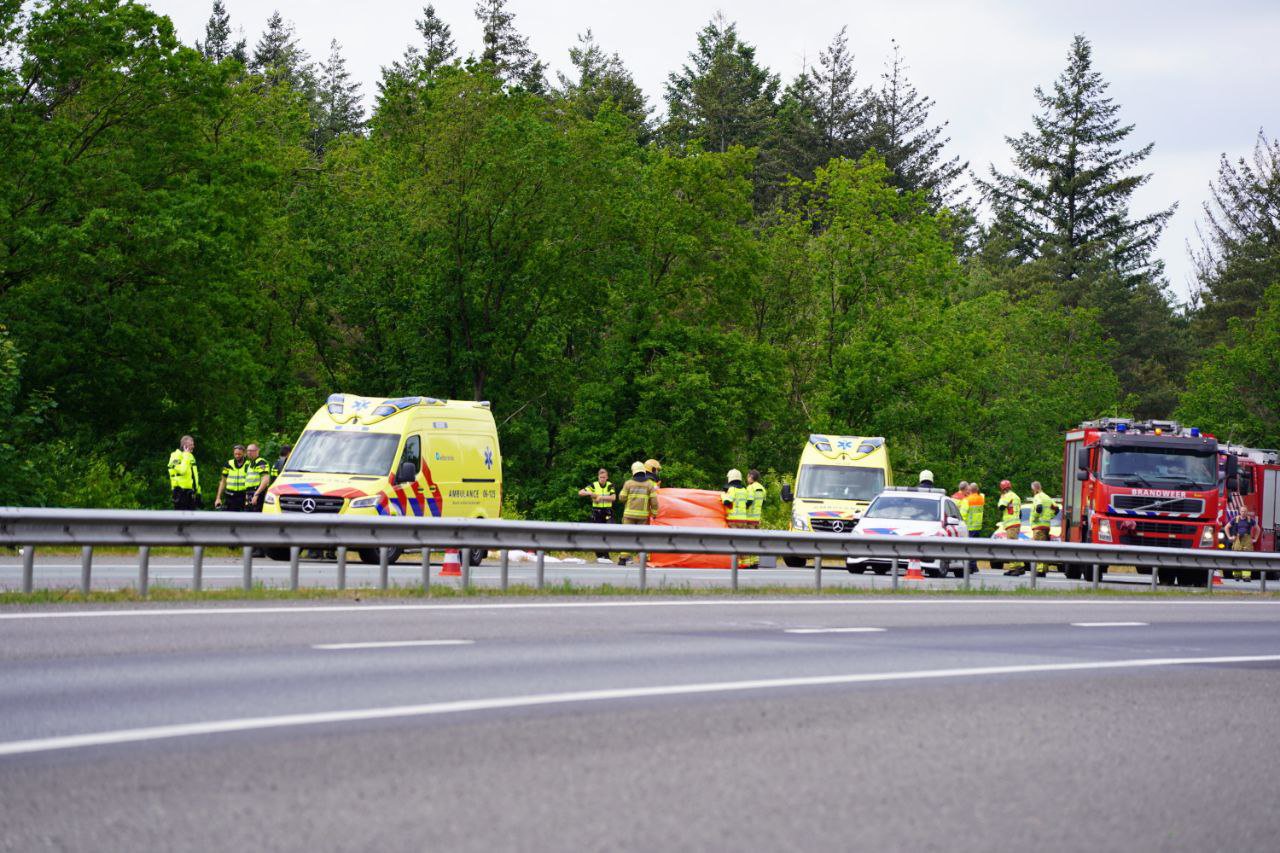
x=48, y=744
x=572, y=605
x=834, y=630
x=1109, y=624
x=392, y=644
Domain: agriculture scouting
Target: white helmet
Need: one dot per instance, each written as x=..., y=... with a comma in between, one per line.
x=734, y=474
x=926, y=475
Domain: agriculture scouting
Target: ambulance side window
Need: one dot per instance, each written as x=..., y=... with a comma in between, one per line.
x=412, y=453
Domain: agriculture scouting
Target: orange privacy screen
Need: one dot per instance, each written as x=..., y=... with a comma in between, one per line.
x=690, y=508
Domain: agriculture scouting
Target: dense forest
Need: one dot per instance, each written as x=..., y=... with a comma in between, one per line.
x=211, y=238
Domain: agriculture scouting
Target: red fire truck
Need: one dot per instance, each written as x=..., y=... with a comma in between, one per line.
x=1153, y=483
x=1258, y=490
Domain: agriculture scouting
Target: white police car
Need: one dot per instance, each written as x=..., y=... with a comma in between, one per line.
x=909, y=511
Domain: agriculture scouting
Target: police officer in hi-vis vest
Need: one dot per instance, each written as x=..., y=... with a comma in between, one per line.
x=602, y=497
x=234, y=484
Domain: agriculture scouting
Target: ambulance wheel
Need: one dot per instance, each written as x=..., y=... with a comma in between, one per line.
x=280, y=555
x=478, y=555
x=795, y=562
x=369, y=556
x=1073, y=572
x=881, y=570
x=1143, y=570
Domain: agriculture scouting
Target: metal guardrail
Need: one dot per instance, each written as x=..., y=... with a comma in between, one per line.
x=88, y=528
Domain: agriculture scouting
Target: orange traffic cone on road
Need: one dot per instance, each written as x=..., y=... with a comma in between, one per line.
x=913, y=571
x=452, y=565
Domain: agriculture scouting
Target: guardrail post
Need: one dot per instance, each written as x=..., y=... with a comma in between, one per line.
x=1155, y=577
x=144, y=570
x=28, y=569
x=197, y=568
x=246, y=565
x=86, y=569
x=295, y=554
x=342, y=567
x=1208, y=585
x=1263, y=575
x=466, y=568
x=540, y=573
x=965, y=584
x=1031, y=565
x=733, y=571
x=504, y=569
x=817, y=573
x=1097, y=576
x=426, y=569
x=384, y=567
x=644, y=565
x=893, y=572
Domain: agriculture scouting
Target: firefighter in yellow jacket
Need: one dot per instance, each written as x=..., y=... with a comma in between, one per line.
x=639, y=499
x=742, y=505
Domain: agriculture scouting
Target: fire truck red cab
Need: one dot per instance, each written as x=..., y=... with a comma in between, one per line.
x=1154, y=483
x=1258, y=490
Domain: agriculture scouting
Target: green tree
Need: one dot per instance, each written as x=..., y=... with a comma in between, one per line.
x=337, y=101
x=902, y=134
x=823, y=113
x=280, y=59
x=601, y=77
x=506, y=49
x=1240, y=252
x=420, y=62
x=217, y=44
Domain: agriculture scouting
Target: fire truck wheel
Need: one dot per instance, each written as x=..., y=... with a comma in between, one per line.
x=795, y=562
x=1073, y=571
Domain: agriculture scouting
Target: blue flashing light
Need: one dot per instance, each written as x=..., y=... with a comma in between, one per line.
x=1195, y=432
x=1122, y=427
x=335, y=404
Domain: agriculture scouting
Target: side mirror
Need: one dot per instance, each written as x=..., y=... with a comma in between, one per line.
x=1082, y=459
x=1082, y=475
x=1233, y=465
x=406, y=472
x=1233, y=483
x=787, y=494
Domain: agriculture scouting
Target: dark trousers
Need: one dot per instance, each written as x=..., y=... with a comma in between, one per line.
x=184, y=498
x=252, y=504
x=234, y=501
x=602, y=515
x=973, y=564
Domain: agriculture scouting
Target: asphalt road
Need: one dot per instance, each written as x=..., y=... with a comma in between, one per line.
x=116, y=572
x=906, y=724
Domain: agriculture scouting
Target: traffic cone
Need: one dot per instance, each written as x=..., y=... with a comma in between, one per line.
x=913, y=571
x=1217, y=578
x=452, y=565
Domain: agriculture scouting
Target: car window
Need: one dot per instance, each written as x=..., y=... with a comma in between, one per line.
x=904, y=508
x=952, y=510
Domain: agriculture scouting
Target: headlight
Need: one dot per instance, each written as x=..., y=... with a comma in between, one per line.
x=269, y=499
x=365, y=503
x=1104, y=530
x=799, y=522
x=1207, y=538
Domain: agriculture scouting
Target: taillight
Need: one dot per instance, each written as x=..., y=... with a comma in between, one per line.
x=1104, y=530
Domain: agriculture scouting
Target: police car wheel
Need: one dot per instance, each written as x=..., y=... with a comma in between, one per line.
x=370, y=556
x=278, y=554
x=795, y=562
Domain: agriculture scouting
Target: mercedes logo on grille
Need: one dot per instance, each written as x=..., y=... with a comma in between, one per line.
x=836, y=526
x=309, y=505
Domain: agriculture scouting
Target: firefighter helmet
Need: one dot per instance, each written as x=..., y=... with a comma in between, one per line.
x=637, y=467
x=734, y=474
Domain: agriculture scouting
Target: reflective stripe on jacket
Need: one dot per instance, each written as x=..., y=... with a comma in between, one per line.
x=1042, y=510
x=600, y=494
x=737, y=500
x=258, y=468
x=237, y=475
x=757, y=493
x=183, y=473
x=974, y=507
x=639, y=499
x=1010, y=511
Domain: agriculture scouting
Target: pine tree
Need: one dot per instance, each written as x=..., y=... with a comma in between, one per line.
x=280, y=59
x=420, y=62
x=722, y=97
x=217, y=44
x=507, y=50
x=602, y=77
x=1239, y=255
x=901, y=133
x=1067, y=201
x=337, y=100
x=823, y=113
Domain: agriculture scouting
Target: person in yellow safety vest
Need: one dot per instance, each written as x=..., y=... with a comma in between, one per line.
x=234, y=483
x=1043, y=510
x=257, y=480
x=600, y=490
x=639, y=499
x=755, y=511
x=961, y=492
x=184, y=475
x=1010, y=508
x=653, y=468
x=737, y=502
x=973, y=508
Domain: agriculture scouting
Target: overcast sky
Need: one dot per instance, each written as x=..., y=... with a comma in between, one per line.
x=1197, y=78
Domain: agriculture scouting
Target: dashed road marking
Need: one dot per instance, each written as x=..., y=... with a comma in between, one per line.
x=390, y=644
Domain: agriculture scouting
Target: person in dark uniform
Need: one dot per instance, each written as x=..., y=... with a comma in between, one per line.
x=234, y=484
x=602, y=497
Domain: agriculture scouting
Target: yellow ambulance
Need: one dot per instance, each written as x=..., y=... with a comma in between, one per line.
x=838, y=476
x=414, y=456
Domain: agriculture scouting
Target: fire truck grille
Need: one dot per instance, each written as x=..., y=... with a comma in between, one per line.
x=1188, y=506
x=308, y=503
x=1159, y=543
x=1158, y=527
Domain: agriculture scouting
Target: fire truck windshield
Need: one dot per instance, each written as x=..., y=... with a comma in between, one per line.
x=1159, y=467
